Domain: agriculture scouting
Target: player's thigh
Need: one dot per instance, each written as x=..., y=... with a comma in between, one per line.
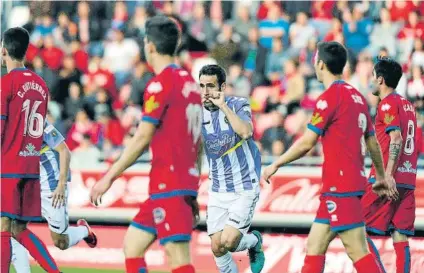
x=57, y=218
x=31, y=201
x=173, y=219
x=178, y=253
x=10, y=201
x=217, y=250
x=320, y=236
x=141, y=232
x=404, y=217
x=378, y=212
x=240, y=212
x=355, y=242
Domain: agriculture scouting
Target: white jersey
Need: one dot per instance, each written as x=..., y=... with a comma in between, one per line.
x=49, y=160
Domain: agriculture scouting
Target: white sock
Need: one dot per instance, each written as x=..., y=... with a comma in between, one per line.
x=76, y=234
x=226, y=264
x=247, y=242
x=20, y=257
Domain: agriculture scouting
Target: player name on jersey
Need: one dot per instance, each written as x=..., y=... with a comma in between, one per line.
x=34, y=87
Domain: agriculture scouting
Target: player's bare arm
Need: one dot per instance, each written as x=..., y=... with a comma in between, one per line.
x=59, y=198
x=296, y=151
x=394, y=151
x=382, y=187
x=243, y=128
x=131, y=153
x=199, y=161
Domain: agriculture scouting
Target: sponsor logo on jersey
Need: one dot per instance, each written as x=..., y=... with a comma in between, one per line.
x=322, y=104
x=216, y=145
x=385, y=107
x=331, y=206
x=151, y=105
x=159, y=215
x=154, y=88
x=406, y=168
x=316, y=119
x=30, y=151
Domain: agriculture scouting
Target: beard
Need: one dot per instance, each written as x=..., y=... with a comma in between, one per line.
x=210, y=106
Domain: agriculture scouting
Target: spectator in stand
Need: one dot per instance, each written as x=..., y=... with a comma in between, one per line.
x=335, y=31
x=136, y=24
x=292, y=86
x=306, y=58
x=64, y=32
x=45, y=28
x=239, y=82
x=120, y=15
x=51, y=55
x=384, y=35
x=227, y=50
x=81, y=57
x=73, y=103
x=400, y=9
x=255, y=57
x=85, y=154
x=200, y=27
x=300, y=33
x=33, y=49
x=322, y=10
x=243, y=23
x=415, y=89
x=185, y=8
x=417, y=56
x=67, y=75
x=46, y=73
x=361, y=79
x=112, y=130
x=121, y=54
x=275, y=59
x=357, y=29
x=414, y=28
x=273, y=26
x=139, y=81
x=99, y=77
x=83, y=126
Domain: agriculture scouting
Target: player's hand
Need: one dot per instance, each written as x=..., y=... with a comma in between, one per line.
x=99, y=189
x=58, y=196
x=217, y=98
x=386, y=187
x=269, y=171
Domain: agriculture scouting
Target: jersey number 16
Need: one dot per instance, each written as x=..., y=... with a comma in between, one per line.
x=33, y=123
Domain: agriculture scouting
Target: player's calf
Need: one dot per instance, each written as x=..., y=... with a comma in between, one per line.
x=403, y=253
x=5, y=244
x=178, y=254
x=223, y=258
x=136, y=243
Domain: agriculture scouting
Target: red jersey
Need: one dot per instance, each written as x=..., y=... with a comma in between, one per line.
x=397, y=113
x=172, y=102
x=24, y=98
x=342, y=120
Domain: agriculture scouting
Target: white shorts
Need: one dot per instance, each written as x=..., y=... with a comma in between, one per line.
x=230, y=208
x=57, y=218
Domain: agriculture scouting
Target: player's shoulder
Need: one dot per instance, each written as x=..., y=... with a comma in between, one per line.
x=236, y=101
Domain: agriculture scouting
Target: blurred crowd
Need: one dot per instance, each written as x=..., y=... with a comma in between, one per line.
x=91, y=56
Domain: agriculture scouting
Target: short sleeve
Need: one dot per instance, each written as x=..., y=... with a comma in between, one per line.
x=52, y=137
x=156, y=100
x=389, y=115
x=5, y=97
x=323, y=114
x=243, y=110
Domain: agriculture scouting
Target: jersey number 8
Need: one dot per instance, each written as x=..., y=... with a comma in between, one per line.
x=409, y=143
x=33, y=124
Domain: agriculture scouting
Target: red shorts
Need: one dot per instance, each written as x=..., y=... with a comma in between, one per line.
x=341, y=213
x=170, y=219
x=382, y=216
x=21, y=199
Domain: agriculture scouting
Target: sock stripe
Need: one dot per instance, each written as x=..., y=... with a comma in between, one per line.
x=142, y=270
x=41, y=249
x=375, y=250
x=407, y=259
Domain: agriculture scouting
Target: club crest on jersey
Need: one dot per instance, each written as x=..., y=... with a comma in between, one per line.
x=159, y=215
x=151, y=105
x=385, y=107
x=154, y=88
x=316, y=119
x=322, y=104
x=331, y=206
x=388, y=118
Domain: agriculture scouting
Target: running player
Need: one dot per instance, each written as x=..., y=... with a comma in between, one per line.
x=54, y=177
x=24, y=97
x=342, y=119
x=171, y=124
x=235, y=168
x=396, y=127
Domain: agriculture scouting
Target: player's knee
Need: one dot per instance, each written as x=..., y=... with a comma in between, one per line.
x=61, y=243
x=17, y=227
x=217, y=249
x=230, y=243
x=6, y=224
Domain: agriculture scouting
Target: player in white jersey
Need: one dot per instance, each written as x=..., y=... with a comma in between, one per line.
x=54, y=178
x=234, y=169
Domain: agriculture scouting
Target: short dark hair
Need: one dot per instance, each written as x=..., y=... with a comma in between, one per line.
x=16, y=41
x=333, y=55
x=214, y=70
x=163, y=33
x=389, y=69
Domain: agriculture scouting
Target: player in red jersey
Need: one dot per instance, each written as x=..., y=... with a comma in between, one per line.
x=171, y=124
x=396, y=128
x=24, y=98
x=342, y=120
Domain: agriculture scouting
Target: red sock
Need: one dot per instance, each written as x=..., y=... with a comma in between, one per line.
x=135, y=265
x=403, y=257
x=38, y=250
x=367, y=264
x=314, y=264
x=374, y=252
x=188, y=268
x=6, y=251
